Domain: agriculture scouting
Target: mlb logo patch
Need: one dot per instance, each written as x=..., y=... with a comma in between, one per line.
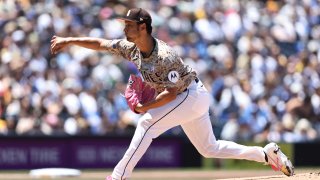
x=114, y=45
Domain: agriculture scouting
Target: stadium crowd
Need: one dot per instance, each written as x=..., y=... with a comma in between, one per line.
x=259, y=59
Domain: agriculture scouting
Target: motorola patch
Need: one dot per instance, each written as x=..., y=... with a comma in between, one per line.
x=173, y=76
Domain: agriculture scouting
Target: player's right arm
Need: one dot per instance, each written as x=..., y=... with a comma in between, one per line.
x=119, y=47
x=59, y=43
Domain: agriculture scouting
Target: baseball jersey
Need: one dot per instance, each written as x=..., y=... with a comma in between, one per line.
x=162, y=69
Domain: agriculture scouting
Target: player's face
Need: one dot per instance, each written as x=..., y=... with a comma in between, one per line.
x=131, y=30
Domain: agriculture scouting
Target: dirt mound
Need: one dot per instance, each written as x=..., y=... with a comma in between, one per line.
x=178, y=174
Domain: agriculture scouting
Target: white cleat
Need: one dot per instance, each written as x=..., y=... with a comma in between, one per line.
x=277, y=160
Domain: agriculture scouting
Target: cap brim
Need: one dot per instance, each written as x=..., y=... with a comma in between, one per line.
x=126, y=19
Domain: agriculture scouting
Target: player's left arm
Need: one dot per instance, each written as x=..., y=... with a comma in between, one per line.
x=168, y=95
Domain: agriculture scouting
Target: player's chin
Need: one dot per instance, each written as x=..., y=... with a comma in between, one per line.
x=129, y=39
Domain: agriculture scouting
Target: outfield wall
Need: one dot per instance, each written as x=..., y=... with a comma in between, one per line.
x=105, y=152
x=91, y=152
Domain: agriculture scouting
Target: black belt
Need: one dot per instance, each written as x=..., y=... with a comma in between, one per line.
x=196, y=80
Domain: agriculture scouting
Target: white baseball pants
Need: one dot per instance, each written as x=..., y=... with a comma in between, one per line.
x=190, y=110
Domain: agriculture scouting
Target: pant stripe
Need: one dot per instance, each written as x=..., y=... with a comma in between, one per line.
x=150, y=127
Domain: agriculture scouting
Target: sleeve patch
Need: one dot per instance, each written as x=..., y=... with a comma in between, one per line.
x=114, y=45
x=173, y=76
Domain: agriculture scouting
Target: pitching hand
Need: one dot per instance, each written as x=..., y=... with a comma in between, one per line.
x=139, y=108
x=57, y=44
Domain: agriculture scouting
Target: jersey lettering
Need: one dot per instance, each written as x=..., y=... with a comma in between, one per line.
x=148, y=77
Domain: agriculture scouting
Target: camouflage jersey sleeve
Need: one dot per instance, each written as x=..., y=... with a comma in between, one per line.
x=119, y=47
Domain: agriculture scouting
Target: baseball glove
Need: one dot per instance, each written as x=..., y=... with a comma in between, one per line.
x=138, y=91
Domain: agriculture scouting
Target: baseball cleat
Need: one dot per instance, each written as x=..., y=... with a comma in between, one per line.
x=277, y=160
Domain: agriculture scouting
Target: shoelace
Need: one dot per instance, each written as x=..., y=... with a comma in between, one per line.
x=276, y=168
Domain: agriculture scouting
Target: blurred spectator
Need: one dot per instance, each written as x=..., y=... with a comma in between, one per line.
x=259, y=59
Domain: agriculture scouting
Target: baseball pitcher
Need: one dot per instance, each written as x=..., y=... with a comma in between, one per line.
x=169, y=95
